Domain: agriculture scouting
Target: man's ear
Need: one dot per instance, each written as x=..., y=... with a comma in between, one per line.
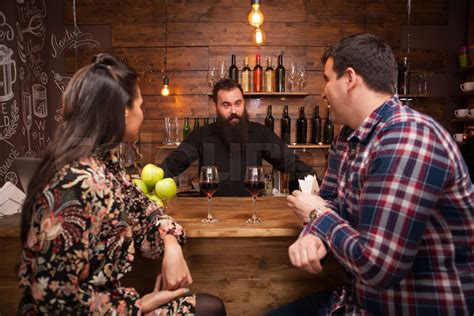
x=351, y=77
x=126, y=113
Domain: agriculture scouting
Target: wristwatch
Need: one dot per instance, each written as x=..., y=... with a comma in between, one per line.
x=315, y=213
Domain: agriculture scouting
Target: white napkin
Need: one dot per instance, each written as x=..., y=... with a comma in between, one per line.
x=309, y=184
x=11, y=199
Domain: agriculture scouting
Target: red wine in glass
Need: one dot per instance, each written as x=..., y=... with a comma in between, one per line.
x=209, y=184
x=209, y=187
x=254, y=187
x=254, y=182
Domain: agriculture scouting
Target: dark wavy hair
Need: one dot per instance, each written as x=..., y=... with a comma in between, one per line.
x=224, y=84
x=93, y=119
x=369, y=56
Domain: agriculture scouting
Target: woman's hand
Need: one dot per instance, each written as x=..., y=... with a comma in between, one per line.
x=174, y=269
x=157, y=298
x=303, y=203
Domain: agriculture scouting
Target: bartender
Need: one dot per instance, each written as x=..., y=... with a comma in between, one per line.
x=232, y=143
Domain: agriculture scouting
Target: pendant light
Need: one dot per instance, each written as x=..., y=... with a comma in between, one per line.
x=165, y=91
x=255, y=16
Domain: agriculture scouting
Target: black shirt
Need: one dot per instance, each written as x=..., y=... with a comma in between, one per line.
x=207, y=145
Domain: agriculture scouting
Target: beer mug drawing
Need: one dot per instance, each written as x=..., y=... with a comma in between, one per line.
x=40, y=104
x=7, y=73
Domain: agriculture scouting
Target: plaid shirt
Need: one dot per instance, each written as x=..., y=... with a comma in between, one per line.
x=402, y=219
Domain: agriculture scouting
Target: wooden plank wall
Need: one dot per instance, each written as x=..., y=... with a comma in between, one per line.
x=201, y=33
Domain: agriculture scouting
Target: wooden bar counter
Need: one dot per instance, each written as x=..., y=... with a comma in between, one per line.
x=246, y=265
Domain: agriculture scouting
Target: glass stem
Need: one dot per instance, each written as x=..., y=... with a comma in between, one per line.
x=209, y=201
x=254, y=200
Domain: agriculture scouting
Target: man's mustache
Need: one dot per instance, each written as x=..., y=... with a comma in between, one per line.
x=233, y=116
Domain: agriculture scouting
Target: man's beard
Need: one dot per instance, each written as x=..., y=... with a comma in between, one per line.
x=234, y=133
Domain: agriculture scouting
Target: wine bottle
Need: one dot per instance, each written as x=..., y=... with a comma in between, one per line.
x=280, y=75
x=328, y=130
x=316, y=131
x=269, y=121
x=286, y=126
x=196, y=123
x=246, y=81
x=206, y=121
x=234, y=71
x=269, y=77
x=404, y=77
x=257, y=75
x=301, y=127
x=186, y=128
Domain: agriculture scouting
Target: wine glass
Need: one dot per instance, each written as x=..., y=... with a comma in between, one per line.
x=301, y=80
x=222, y=70
x=292, y=77
x=212, y=76
x=209, y=184
x=254, y=182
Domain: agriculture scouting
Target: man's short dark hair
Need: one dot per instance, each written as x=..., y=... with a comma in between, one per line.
x=369, y=56
x=224, y=84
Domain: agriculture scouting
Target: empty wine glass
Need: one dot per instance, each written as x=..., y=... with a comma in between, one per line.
x=301, y=79
x=292, y=77
x=212, y=76
x=209, y=184
x=427, y=76
x=222, y=70
x=419, y=78
x=254, y=182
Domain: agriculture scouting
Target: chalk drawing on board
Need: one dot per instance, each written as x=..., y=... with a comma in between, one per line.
x=6, y=31
x=35, y=27
x=11, y=177
x=44, y=78
x=60, y=81
x=40, y=103
x=73, y=39
x=9, y=121
x=28, y=119
x=7, y=73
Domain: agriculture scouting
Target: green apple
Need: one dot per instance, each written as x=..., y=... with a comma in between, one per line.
x=151, y=174
x=156, y=199
x=165, y=188
x=141, y=185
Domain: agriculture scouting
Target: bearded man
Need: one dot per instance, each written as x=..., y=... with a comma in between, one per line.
x=232, y=143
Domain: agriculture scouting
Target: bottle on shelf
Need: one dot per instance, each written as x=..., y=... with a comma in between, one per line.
x=316, y=126
x=196, y=123
x=280, y=75
x=186, y=128
x=234, y=71
x=269, y=77
x=328, y=130
x=214, y=119
x=246, y=77
x=206, y=121
x=404, y=77
x=257, y=75
x=269, y=121
x=301, y=127
x=286, y=126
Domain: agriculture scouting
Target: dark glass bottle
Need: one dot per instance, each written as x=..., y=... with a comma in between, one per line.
x=234, y=71
x=257, y=76
x=206, y=121
x=280, y=75
x=186, y=128
x=269, y=121
x=328, y=130
x=246, y=80
x=196, y=123
x=286, y=126
x=316, y=131
x=301, y=127
x=404, y=77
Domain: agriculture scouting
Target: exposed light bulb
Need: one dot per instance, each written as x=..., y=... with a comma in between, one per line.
x=255, y=16
x=258, y=36
x=165, y=91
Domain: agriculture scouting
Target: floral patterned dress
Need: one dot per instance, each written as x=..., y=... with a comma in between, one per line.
x=85, y=226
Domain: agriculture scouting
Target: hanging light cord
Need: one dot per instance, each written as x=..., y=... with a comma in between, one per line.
x=166, y=35
x=75, y=30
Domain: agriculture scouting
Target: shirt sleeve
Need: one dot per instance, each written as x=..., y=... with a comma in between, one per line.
x=149, y=223
x=63, y=238
x=182, y=157
x=406, y=172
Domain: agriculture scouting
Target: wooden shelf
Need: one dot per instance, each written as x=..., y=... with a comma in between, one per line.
x=464, y=120
x=308, y=146
x=282, y=95
x=292, y=146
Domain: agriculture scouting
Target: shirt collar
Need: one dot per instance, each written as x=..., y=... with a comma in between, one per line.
x=363, y=132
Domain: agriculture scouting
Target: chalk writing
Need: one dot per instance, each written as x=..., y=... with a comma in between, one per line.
x=73, y=38
x=9, y=122
x=8, y=163
x=6, y=31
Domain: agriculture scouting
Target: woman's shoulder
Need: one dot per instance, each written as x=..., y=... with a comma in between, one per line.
x=81, y=172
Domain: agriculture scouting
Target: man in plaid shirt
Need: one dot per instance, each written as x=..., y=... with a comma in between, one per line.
x=396, y=207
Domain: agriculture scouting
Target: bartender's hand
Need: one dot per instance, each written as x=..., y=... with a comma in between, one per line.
x=303, y=203
x=157, y=298
x=307, y=252
x=174, y=269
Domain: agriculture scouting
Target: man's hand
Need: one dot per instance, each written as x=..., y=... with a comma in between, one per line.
x=307, y=252
x=174, y=269
x=157, y=298
x=303, y=203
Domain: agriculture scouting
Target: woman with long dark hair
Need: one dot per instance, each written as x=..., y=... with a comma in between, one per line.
x=83, y=217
